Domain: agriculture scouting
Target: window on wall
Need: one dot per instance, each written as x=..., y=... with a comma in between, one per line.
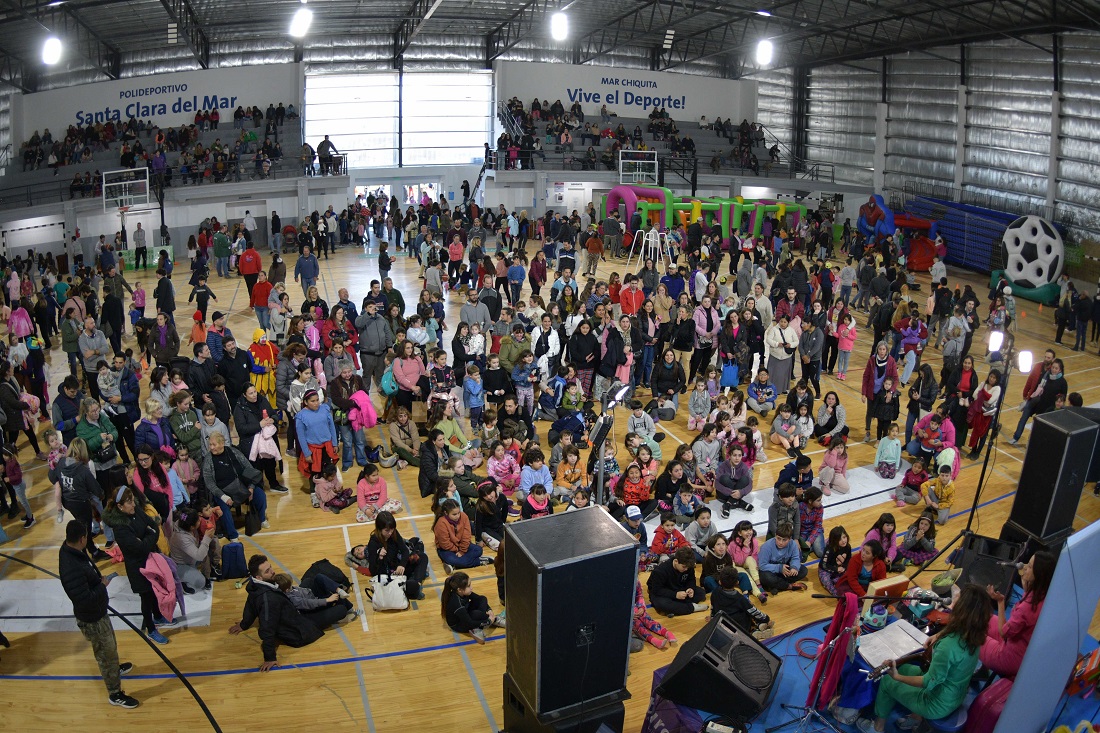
x=446, y=117
x=359, y=113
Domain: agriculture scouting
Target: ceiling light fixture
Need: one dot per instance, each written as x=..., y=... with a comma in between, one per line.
x=764, y=52
x=764, y=13
x=559, y=26
x=51, y=51
x=299, y=24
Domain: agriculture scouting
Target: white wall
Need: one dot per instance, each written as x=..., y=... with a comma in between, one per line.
x=167, y=99
x=628, y=93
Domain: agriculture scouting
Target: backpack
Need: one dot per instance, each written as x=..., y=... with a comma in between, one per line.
x=233, y=565
x=389, y=383
x=330, y=571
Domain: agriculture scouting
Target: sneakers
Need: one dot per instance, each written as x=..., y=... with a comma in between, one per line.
x=826, y=491
x=279, y=489
x=483, y=561
x=867, y=437
x=265, y=524
x=342, y=593
x=157, y=637
x=122, y=700
x=699, y=607
x=314, y=500
x=352, y=615
x=1012, y=441
x=899, y=503
x=763, y=597
x=841, y=376
x=725, y=511
x=514, y=511
x=479, y=635
x=42, y=456
x=499, y=622
x=866, y=725
x=29, y=522
x=125, y=668
x=163, y=623
x=100, y=555
x=448, y=568
x=402, y=464
x=908, y=722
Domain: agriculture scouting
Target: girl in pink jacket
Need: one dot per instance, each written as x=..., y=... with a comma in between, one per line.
x=504, y=468
x=834, y=469
x=744, y=548
x=846, y=338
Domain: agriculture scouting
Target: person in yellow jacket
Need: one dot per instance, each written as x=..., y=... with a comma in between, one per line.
x=939, y=494
x=266, y=356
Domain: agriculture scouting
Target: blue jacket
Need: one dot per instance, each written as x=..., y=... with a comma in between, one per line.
x=131, y=393
x=216, y=342
x=516, y=274
x=146, y=435
x=789, y=475
x=675, y=286
x=772, y=559
x=762, y=393
x=473, y=392
x=316, y=427
x=307, y=268
x=521, y=375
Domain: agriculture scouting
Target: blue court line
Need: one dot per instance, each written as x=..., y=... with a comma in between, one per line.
x=332, y=662
x=339, y=631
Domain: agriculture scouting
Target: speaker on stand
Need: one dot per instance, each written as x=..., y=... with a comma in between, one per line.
x=570, y=581
x=1059, y=458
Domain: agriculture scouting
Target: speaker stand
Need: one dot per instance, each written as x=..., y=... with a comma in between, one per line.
x=806, y=716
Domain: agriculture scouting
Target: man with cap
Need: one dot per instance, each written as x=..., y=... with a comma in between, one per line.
x=475, y=312
x=375, y=338
x=216, y=336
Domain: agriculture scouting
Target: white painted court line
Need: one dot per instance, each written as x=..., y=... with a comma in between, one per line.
x=355, y=582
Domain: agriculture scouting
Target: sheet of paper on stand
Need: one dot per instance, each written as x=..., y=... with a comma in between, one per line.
x=897, y=640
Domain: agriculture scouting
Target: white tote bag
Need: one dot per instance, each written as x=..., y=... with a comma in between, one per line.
x=388, y=593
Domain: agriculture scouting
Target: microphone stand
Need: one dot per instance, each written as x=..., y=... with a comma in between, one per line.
x=809, y=715
x=1010, y=356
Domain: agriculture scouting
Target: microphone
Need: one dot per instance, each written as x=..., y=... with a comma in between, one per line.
x=1011, y=564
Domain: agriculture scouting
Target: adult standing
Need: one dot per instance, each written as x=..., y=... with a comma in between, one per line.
x=113, y=319
x=306, y=270
x=76, y=490
x=473, y=312
x=276, y=232
x=583, y=351
x=87, y=590
x=141, y=252
x=136, y=533
x=880, y=366
x=375, y=338
x=222, y=247
x=236, y=368
x=708, y=323
x=810, y=347
x=249, y=265
x=959, y=390
x=1041, y=391
x=164, y=342
x=782, y=342
x=253, y=415
x=93, y=348
x=101, y=436
x=341, y=389
x=11, y=397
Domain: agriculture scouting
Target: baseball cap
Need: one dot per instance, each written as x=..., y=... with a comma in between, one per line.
x=633, y=512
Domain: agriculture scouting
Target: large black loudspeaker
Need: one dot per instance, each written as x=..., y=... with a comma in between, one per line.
x=723, y=671
x=520, y=717
x=1093, y=414
x=1054, y=471
x=570, y=582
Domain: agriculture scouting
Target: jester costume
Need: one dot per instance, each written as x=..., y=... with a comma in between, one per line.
x=266, y=356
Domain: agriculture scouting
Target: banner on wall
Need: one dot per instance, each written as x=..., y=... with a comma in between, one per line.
x=167, y=99
x=626, y=92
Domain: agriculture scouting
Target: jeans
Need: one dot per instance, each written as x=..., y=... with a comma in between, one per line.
x=263, y=316
x=469, y=560
x=842, y=361
x=775, y=582
x=74, y=364
x=910, y=366
x=348, y=437
x=259, y=502
x=222, y=265
x=108, y=533
x=645, y=365
x=1025, y=414
x=307, y=283
x=910, y=421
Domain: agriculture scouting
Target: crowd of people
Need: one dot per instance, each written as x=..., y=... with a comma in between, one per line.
x=493, y=410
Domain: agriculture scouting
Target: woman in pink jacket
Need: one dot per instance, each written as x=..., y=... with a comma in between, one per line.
x=411, y=376
x=708, y=322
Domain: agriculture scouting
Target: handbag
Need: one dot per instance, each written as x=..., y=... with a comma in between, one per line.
x=388, y=593
x=106, y=453
x=252, y=522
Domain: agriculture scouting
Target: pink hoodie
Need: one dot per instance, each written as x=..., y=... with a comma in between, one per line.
x=836, y=462
x=740, y=554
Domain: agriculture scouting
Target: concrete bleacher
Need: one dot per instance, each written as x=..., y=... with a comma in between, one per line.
x=290, y=137
x=708, y=143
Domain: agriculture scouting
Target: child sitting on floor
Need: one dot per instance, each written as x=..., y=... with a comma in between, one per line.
x=729, y=600
x=372, y=495
x=838, y=553
x=909, y=490
x=330, y=493
x=667, y=539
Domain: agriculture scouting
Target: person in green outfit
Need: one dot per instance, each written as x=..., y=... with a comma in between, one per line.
x=942, y=689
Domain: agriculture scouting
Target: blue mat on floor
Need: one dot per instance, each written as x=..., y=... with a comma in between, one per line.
x=793, y=685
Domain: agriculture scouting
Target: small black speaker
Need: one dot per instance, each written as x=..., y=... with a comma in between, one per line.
x=723, y=671
x=1055, y=466
x=569, y=580
x=988, y=561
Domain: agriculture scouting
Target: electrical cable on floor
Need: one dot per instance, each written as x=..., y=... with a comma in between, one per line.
x=168, y=662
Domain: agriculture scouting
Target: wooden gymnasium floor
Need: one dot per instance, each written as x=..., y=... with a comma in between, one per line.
x=408, y=671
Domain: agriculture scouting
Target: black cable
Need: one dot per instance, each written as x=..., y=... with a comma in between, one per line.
x=156, y=649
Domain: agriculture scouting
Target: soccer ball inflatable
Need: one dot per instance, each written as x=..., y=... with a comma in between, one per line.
x=1034, y=253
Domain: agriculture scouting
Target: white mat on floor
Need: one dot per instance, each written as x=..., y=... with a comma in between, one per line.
x=29, y=606
x=868, y=490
